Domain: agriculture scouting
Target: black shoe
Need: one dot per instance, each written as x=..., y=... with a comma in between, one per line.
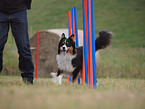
x=27, y=78
x=26, y=81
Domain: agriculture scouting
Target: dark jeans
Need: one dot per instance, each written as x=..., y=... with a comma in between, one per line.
x=19, y=26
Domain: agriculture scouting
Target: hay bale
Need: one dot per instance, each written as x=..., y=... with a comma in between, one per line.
x=48, y=41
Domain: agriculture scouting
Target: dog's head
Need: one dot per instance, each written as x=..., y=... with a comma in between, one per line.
x=66, y=45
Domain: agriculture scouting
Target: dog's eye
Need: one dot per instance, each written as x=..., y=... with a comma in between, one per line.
x=67, y=44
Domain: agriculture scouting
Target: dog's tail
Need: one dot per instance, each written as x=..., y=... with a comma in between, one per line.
x=103, y=40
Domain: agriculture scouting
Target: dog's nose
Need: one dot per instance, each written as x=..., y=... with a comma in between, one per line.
x=63, y=48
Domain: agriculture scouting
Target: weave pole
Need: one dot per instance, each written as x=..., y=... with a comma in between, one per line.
x=76, y=27
x=69, y=24
x=85, y=69
x=73, y=23
x=89, y=41
x=90, y=35
x=89, y=61
x=87, y=37
x=37, y=54
x=93, y=44
x=70, y=32
x=76, y=31
x=73, y=29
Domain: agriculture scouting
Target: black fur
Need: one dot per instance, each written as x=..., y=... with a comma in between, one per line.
x=77, y=63
x=61, y=42
x=70, y=43
x=101, y=42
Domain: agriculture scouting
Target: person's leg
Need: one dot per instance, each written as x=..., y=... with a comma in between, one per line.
x=19, y=27
x=4, y=28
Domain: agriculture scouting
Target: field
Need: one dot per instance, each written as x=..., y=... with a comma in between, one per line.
x=110, y=94
x=124, y=18
x=122, y=66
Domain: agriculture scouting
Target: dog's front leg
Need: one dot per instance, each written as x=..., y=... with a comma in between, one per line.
x=59, y=75
x=59, y=72
x=56, y=74
x=75, y=74
x=57, y=79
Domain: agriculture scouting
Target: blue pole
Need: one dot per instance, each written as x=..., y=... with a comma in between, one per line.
x=70, y=79
x=72, y=20
x=76, y=32
x=93, y=44
x=85, y=45
x=76, y=27
x=68, y=27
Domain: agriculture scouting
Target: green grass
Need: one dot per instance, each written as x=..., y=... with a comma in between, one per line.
x=125, y=18
x=114, y=62
x=122, y=62
x=111, y=94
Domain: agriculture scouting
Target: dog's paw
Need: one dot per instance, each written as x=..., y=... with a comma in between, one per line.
x=53, y=74
x=54, y=80
x=57, y=80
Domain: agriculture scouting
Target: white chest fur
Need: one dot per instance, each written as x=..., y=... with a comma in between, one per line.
x=65, y=62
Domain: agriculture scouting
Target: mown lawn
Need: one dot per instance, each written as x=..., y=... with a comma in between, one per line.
x=125, y=18
x=111, y=94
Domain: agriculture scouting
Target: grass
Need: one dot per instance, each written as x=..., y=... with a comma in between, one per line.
x=122, y=63
x=111, y=93
x=124, y=17
x=114, y=62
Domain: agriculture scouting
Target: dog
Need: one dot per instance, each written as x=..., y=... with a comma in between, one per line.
x=70, y=57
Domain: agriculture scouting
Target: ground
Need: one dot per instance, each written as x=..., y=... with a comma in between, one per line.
x=111, y=94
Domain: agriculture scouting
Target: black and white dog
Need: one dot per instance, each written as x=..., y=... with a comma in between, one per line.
x=69, y=57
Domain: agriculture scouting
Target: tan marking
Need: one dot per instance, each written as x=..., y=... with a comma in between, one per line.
x=60, y=51
x=70, y=50
x=74, y=81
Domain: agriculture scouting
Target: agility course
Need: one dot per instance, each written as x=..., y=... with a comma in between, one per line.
x=102, y=22
x=121, y=74
x=89, y=66
x=89, y=41
x=89, y=61
x=73, y=29
x=47, y=62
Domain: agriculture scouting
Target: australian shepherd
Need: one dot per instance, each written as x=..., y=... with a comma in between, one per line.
x=70, y=57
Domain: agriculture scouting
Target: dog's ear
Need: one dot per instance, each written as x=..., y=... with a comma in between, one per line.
x=63, y=35
x=72, y=37
x=73, y=45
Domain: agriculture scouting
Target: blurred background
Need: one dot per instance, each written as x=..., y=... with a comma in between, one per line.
x=125, y=18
